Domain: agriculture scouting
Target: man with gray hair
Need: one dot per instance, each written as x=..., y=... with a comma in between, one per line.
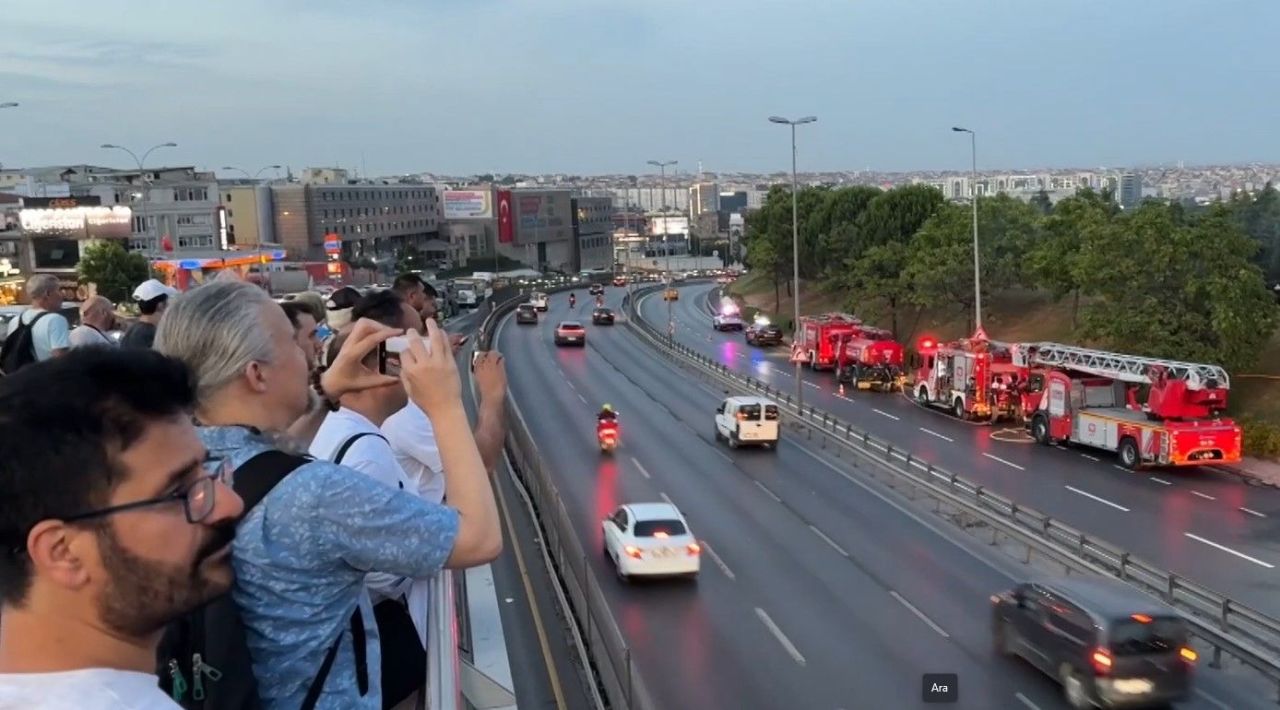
x=97, y=316
x=50, y=331
x=301, y=555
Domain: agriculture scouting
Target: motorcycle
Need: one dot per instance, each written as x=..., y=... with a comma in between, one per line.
x=572, y=301
x=607, y=436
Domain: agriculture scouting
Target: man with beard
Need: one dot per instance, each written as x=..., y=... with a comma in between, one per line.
x=113, y=522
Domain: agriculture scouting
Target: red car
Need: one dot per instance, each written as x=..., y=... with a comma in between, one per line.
x=571, y=333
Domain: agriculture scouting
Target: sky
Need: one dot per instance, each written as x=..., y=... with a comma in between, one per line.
x=603, y=86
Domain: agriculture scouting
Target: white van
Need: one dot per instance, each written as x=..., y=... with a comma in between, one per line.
x=748, y=420
x=539, y=301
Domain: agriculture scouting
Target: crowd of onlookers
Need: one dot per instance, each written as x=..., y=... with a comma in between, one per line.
x=241, y=503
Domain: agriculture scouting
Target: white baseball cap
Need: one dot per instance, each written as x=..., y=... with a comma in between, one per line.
x=152, y=289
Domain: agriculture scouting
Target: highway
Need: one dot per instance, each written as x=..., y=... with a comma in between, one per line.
x=1204, y=524
x=818, y=590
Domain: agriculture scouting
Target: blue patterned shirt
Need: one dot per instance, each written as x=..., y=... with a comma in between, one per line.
x=300, y=558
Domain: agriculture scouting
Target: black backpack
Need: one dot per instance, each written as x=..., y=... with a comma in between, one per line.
x=19, y=349
x=203, y=659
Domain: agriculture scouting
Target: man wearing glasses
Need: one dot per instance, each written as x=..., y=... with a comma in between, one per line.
x=113, y=522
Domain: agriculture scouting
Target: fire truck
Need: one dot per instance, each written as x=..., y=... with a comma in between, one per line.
x=818, y=338
x=869, y=358
x=974, y=378
x=1083, y=396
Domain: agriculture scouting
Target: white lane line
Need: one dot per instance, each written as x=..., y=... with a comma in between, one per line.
x=584, y=399
x=575, y=389
x=1212, y=700
x=884, y=414
x=782, y=638
x=940, y=436
x=1206, y=496
x=1007, y=463
x=643, y=472
x=722, y=454
x=840, y=396
x=920, y=614
x=1104, y=501
x=667, y=499
x=770, y=493
x=1161, y=481
x=1224, y=548
x=1091, y=458
x=1026, y=701
x=810, y=384
x=777, y=371
x=828, y=540
x=719, y=562
x=1252, y=512
x=1118, y=467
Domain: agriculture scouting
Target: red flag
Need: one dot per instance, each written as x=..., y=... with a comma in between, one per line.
x=166, y=243
x=506, y=234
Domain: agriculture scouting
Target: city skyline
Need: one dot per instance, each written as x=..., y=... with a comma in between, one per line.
x=593, y=88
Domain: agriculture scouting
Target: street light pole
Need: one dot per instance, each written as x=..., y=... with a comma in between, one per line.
x=146, y=188
x=662, y=167
x=973, y=197
x=795, y=243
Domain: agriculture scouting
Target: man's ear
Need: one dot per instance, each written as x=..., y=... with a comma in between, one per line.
x=255, y=377
x=58, y=552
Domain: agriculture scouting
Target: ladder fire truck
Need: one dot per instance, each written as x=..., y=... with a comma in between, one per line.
x=974, y=378
x=1083, y=396
x=869, y=358
x=818, y=336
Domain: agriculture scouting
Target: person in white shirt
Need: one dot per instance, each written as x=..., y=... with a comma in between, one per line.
x=51, y=334
x=114, y=521
x=97, y=317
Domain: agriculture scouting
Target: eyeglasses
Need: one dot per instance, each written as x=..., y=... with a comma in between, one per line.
x=197, y=499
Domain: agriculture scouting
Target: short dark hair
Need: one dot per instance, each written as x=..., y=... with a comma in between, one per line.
x=405, y=283
x=149, y=308
x=384, y=306
x=65, y=423
x=293, y=309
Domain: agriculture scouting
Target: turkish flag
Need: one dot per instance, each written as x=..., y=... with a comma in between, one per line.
x=506, y=234
x=166, y=243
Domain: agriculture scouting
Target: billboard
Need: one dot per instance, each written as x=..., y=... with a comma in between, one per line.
x=467, y=204
x=506, y=227
x=74, y=218
x=545, y=216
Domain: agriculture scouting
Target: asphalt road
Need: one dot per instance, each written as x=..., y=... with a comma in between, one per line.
x=1204, y=524
x=818, y=590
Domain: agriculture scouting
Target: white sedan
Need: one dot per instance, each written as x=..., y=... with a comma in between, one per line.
x=651, y=539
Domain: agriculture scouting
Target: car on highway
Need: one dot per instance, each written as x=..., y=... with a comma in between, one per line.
x=1108, y=644
x=671, y=294
x=571, y=332
x=727, y=319
x=526, y=313
x=762, y=332
x=619, y=280
x=748, y=420
x=538, y=301
x=596, y=290
x=651, y=539
x=602, y=316
x=724, y=280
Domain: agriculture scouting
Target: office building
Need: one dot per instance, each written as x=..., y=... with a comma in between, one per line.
x=593, y=232
x=1130, y=192
x=537, y=229
x=731, y=202
x=704, y=197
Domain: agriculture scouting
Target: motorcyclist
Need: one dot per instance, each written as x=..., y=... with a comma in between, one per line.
x=606, y=417
x=599, y=301
x=573, y=300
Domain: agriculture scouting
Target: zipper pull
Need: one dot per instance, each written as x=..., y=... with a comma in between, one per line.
x=179, y=683
x=200, y=669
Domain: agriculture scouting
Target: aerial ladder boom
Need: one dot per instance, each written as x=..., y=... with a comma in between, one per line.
x=1133, y=369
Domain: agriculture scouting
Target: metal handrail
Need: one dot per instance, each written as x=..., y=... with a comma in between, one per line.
x=443, y=690
x=1229, y=626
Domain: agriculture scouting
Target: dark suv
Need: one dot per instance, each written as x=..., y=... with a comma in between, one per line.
x=1106, y=642
x=526, y=313
x=763, y=334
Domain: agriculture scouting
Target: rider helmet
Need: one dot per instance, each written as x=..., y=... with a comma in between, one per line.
x=608, y=408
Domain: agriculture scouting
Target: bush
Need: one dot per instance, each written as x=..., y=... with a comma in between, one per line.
x=1261, y=438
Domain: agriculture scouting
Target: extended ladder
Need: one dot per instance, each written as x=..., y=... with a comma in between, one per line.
x=1126, y=368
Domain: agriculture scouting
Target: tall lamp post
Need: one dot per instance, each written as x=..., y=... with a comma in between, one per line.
x=146, y=189
x=662, y=167
x=973, y=197
x=795, y=241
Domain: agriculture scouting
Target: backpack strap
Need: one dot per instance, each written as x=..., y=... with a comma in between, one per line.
x=362, y=663
x=346, y=445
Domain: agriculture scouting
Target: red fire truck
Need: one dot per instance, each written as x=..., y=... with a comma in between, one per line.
x=1083, y=396
x=818, y=338
x=869, y=358
x=974, y=378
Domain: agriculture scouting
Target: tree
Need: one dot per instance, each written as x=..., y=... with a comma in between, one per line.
x=114, y=271
x=1259, y=216
x=409, y=258
x=894, y=216
x=1053, y=258
x=835, y=227
x=878, y=277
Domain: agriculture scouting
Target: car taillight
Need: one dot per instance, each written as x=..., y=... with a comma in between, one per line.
x=1101, y=660
x=1188, y=654
x=694, y=548
x=632, y=551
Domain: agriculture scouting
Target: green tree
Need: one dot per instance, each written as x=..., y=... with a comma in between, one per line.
x=1259, y=216
x=1185, y=291
x=835, y=227
x=768, y=240
x=114, y=271
x=877, y=278
x=1052, y=261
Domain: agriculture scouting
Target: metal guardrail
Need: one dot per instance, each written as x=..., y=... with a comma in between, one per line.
x=1230, y=627
x=443, y=689
x=608, y=653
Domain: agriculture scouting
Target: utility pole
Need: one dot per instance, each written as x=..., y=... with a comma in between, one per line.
x=795, y=243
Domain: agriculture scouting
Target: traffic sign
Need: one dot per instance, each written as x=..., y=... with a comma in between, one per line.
x=332, y=244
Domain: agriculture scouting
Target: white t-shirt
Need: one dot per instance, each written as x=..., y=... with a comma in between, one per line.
x=86, y=689
x=372, y=456
x=51, y=333
x=414, y=441
x=83, y=335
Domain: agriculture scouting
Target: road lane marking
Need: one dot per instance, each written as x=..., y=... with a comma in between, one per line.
x=810, y=384
x=770, y=493
x=920, y=614
x=643, y=472
x=1007, y=463
x=828, y=540
x=1104, y=501
x=1224, y=548
x=1212, y=700
x=1252, y=512
x=584, y=399
x=940, y=436
x=1026, y=701
x=884, y=414
x=668, y=499
x=1161, y=481
x=1091, y=458
x=1198, y=494
x=722, y=454
x=719, y=562
x=782, y=638
x=1118, y=467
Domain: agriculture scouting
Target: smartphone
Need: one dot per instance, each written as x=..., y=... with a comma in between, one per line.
x=389, y=352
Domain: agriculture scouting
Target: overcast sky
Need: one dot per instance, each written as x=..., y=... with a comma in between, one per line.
x=595, y=86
